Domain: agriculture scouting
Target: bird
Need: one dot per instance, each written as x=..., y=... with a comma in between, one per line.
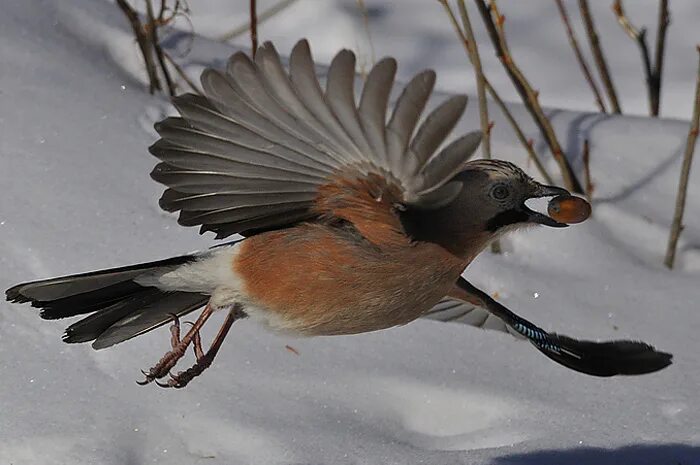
x=350, y=220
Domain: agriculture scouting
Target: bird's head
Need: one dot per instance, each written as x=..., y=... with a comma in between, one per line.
x=490, y=202
x=494, y=193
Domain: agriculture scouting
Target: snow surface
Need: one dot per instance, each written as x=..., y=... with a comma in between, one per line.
x=75, y=122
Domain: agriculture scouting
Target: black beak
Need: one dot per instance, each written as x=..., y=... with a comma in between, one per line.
x=539, y=218
x=548, y=191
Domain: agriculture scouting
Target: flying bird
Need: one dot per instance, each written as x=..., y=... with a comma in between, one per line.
x=352, y=220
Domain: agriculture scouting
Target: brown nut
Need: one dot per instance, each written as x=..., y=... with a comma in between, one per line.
x=569, y=209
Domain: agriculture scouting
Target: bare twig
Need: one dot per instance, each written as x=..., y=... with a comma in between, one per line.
x=182, y=73
x=598, y=56
x=494, y=25
x=155, y=43
x=253, y=27
x=365, y=21
x=527, y=143
x=473, y=52
x=143, y=42
x=161, y=11
x=262, y=17
x=652, y=71
x=587, y=170
x=579, y=56
x=677, y=226
x=504, y=108
x=662, y=26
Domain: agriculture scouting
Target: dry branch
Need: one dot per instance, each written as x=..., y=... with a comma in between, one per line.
x=253, y=28
x=182, y=73
x=677, y=226
x=365, y=22
x=473, y=52
x=662, y=26
x=262, y=17
x=492, y=92
x=143, y=42
x=494, y=24
x=598, y=56
x=155, y=43
x=579, y=56
x=652, y=71
x=587, y=170
x=527, y=143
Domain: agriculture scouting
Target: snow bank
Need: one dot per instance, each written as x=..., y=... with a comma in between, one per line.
x=74, y=127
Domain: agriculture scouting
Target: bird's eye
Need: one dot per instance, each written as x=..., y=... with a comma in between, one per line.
x=500, y=192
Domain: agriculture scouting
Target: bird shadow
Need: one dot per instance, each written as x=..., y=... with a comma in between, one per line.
x=637, y=454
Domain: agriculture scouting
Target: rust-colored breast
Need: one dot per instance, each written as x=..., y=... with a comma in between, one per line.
x=320, y=280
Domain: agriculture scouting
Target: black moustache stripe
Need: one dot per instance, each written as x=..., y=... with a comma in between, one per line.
x=506, y=218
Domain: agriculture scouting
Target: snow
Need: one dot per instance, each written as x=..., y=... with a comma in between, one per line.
x=75, y=122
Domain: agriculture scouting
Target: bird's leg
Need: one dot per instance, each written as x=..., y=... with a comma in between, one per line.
x=174, y=331
x=204, y=360
x=197, y=346
x=179, y=347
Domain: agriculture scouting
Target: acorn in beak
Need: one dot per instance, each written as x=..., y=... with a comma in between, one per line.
x=540, y=218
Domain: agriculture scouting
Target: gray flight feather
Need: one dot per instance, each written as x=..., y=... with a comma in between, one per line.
x=303, y=76
x=173, y=200
x=437, y=127
x=251, y=154
x=227, y=101
x=403, y=121
x=456, y=311
x=444, y=165
x=340, y=96
x=373, y=105
x=201, y=115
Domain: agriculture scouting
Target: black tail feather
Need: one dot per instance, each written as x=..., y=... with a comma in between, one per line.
x=119, y=307
x=52, y=289
x=86, y=302
x=90, y=328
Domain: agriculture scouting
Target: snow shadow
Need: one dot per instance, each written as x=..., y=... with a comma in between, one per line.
x=638, y=454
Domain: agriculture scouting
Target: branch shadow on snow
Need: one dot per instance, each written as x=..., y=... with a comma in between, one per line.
x=638, y=454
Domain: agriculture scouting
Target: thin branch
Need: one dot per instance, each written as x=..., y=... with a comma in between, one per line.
x=677, y=226
x=143, y=42
x=579, y=56
x=527, y=144
x=182, y=73
x=155, y=43
x=587, y=170
x=365, y=21
x=652, y=72
x=519, y=133
x=262, y=17
x=161, y=11
x=253, y=28
x=494, y=25
x=662, y=27
x=473, y=52
x=598, y=56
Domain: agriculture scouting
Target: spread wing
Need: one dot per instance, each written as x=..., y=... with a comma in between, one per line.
x=252, y=153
